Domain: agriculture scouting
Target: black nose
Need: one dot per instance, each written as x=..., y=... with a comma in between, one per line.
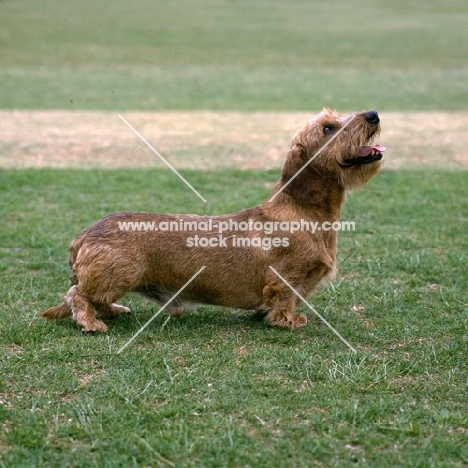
x=372, y=117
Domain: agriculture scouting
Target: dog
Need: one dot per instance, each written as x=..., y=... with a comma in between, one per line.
x=114, y=256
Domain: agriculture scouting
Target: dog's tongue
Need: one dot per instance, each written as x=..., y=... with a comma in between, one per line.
x=366, y=150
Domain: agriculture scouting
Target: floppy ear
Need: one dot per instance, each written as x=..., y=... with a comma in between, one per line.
x=306, y=187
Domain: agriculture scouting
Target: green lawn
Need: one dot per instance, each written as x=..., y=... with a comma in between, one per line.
x=217, y=388
x=238, y=55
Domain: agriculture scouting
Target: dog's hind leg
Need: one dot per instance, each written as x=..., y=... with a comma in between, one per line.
x=83, y=312
x=158, y=295
x=279, y=303
x=110, y=310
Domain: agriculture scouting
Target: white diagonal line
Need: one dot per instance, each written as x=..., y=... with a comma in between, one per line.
x=159, y=155
x=312, y=158
x=161, y=309
x=313, y=310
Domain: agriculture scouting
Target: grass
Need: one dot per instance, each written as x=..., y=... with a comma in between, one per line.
x=221, y=55
x=217, y=388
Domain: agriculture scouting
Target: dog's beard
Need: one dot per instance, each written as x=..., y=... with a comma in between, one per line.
x=355, y=176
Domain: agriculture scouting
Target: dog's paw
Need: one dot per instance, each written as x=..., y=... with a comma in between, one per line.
x=175, y=311
x=291, y=321
x=95, y=326
x=110, y=311
x=297, y=321
x=118, y=309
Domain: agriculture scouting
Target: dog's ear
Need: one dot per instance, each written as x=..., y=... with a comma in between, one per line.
x=307, y=186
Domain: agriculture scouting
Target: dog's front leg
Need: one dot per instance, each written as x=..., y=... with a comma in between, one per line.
x=279, y=303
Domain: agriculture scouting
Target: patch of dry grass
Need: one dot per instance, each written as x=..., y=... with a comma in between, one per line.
x=211, y=140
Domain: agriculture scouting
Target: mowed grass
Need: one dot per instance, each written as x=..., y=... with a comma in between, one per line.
x=250, y=56
x=216, y=387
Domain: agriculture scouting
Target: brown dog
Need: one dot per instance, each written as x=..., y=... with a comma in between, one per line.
x=156, y=255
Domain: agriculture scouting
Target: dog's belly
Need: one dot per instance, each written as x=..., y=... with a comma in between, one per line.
x=242, y=299
x=237, y=283
x=204, y=294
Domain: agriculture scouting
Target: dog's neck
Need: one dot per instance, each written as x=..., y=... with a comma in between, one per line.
x=281, y=205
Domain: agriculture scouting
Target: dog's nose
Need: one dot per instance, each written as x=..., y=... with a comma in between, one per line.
x=372, y=117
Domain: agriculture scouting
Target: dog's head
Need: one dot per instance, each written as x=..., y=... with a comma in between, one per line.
x=332, y=149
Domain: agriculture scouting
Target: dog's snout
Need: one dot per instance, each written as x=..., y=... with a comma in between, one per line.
x=372, y=117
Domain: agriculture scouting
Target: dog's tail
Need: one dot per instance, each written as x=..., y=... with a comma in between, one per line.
x=64, y=310
x=59, y=312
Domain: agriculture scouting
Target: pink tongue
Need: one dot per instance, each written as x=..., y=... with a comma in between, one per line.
x=366, y=150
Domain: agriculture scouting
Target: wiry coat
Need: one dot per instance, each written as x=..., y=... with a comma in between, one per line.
x=107, y=261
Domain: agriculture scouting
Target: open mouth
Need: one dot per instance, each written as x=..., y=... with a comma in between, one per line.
x=366, y=155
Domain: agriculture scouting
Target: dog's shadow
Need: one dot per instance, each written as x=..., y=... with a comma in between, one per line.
x=193, y=318
x=204, y=319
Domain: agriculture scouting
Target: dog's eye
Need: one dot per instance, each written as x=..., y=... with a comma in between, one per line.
x=328, y=129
